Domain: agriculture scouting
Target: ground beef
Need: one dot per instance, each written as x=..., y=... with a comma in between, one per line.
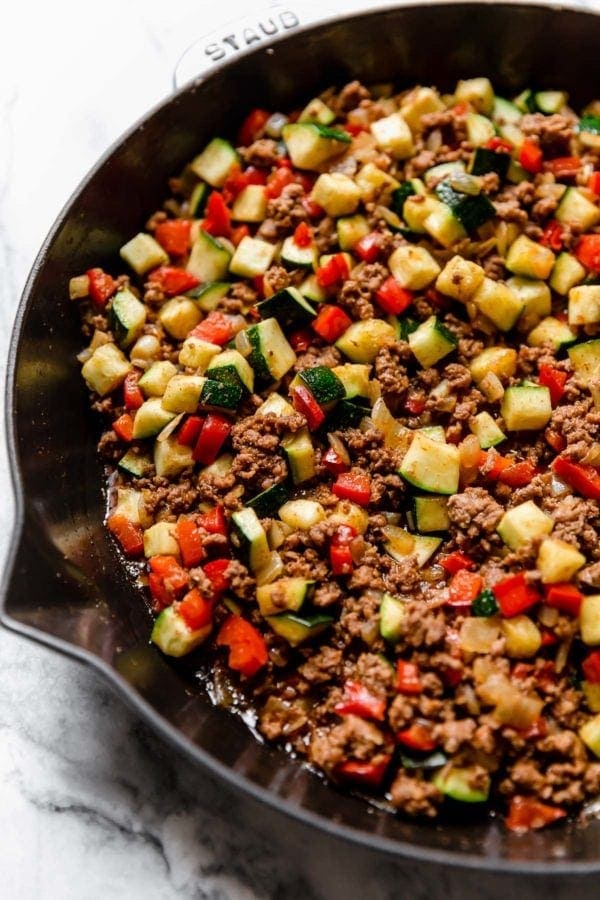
x=318, y=356
x=284, y=213
x=323, y=666
x=262, y=153
x=276, y=279
x=493, y=266
x=553, y=132
x=415, y=796
x=453, y=127
x=353, y=737
x=350, y=97
x=474, y=515
x=392, y=374
x=358, y=291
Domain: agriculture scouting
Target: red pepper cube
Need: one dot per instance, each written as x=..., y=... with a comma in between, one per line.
x=190, y=431
x=123, y=428
x=565, y=597
x=132, y=395
x=303, y=235
x=408, y=680
x=530, y=156
x=333, y=462
x=594, y=183
x=174, y=236
x=215, y=432
x=128, y=534
x=331, y=322
x=587, y=251
x=172, y=281
x=216, y=329
x=518, y=474
x=304, y=403
x=189, y=537
x=353, y=486
x=514, y=596
x=247, y=648
x=341, y=560
x=455, y=562
x=195, y=610
x=252, y=126
x=417, y=736
x=214, y=521
x=591, y=667
x=333, y=272
x=216, y=572
x=582, y=478
x=464, y=587
x=368, y=248
x=370, y=774
x=217, y=218
x=392, y=298
x=359, y=701
x=101, y=286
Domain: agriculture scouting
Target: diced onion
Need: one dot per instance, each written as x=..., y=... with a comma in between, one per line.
x=242, y=343
x=548, y=616
x=145, y=350
x=170, y=428
x=558, y=487
x=492, y=387
x=84, y=355
x=465, y=184
x=272, y=570
x=592, y=456
x=562, y=656
x=478, y=634
x=395, y=435
x=339, y=447
x=275, y=124
x=237, y=323
x=79, y=287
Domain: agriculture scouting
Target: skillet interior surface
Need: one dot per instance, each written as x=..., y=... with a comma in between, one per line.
x=67, y=586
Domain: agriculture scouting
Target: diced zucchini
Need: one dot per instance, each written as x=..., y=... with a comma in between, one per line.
x=154, y=381
x=197, y=354
x=300, y=455
x=431, y=514
x=106, y=369
x=589, y=620
x=460, y=278
x=526, y=407
x=501, y=361
x=298, y=629
x=485, y=160
x=348, y=414
x=534, y=295
x=350, y=229
x=516, y=173
x=525, y=101
x=585, y=359
x=295, y=257
x=431, y=466
x=523, y=523
x=336, y=193
x=127, y=317
x=174, y=637
x=480, y=130
x=363, y=340
x=209, y=259
x=478, y=92
x=558, y=561
x=522, y=636
x=182, y=393
x=215, y=162
x=221, y=394
x=271, y=355
x=231, y=368
x=392, y=613
x=249, y=538
x=301, y=514
x=567, y=272
x=289, y=307
x=250, y=204
x=393, y=135
x=373, y=182
x=355, y=379
x=136, y=464
x=443, y=225
x=401, y=545
x=470, y=210
x=275, y=405
x=143, y=253
x=317, y=111
x=323, y=384
x=418, y=103
x=530, y=259
x=401, y=195
x=551, y=331
x=311, y=289
x=268, y=502
x=437, y=173
x=486, y=430
x=171, y=458
x=589, y=131
x=413, y=268
x=283, y=595
x=431, y=341
x=575, y=209
x=198, y=199
x=549, y=102
x=150, y=418
x=584, y=304
x=179, y=316
x=207, y=295
x=417, y=210
x=590, y=735
x=496, y=301
x=463, y=784
x=160, y=540
x=252, y=257
x=505, y=112
x=310, y=144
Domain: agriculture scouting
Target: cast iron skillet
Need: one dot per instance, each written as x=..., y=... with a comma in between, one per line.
x=65, y=586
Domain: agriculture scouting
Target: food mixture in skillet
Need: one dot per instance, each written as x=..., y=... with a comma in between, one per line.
x=352, y=382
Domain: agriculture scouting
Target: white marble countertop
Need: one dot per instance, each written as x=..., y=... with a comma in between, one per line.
x=91, y=804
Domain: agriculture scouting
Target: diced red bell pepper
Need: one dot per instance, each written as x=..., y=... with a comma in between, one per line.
x=408, y=680
x=214, y=521
x=172, y=281
x=514, y=595
x=563, y=166
x=341, y=560
x=161, y=597
x=549, y=639
x=247, y=648
x=304, y=403
x=215, y=432
x=591, y=667
x=333, y=462
x=583, y=479
x=353, y=128
x=258, y=283
x=237, y=180
x=101, y=286
x=530, y=156
x=518, y=474
x=552, y=236
x=302, y=235
x=278, y=180
x=555, y=440
x=461, y=109
x=216, y=572
x=129, y=534
x=554, y=380
x=132, y=395
x=331, y=322
x=190, y=431
x=174, y=236
x=174, y=577
x=594, y=183
x=353, y=486
x=497, y=143
x=359, y=701
x=526, y=813
x=538, y=729
x=252, y=126
x=238, y=234
x=392, y=298
x=417, y=736
x=313, y=210
x=498, y=463
x=216, y=329
x=451, y=675
x=366, y=773
x=301, y=340
x=123, y=428
x=195, y=610
x=464, y=588
x=217, y=218
x=368, y=248
x=565, y=597
x=436, y=299
x=190, y=542
x=415, y=404
x=455, y=562
x=333, y=272
x=587, y=251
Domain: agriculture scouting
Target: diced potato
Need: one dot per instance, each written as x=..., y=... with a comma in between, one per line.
x=106, y=369
x=346, y=513
x=302, y=514
x=523, y=638
x=501, y=361
x=196, y=353
x=590, y=735
x=143, y=253
x=252, y=257
x=338, y=194
x=373, y=182
x=250, y=204
x=496, y=301
x=460, y=278
x=171, y=458
x=528, y=258
x=584, y=304
x=154, y=381
x=591, y=692
x=182, y=394
x=526, y=407
x=393, y=136
x=523, y=523
x=589, y=620
x=419, y=103
x=558, y=561
x=178, y=316
x=413, y=267
x=479, y=634
x=160, y=540
x=478, y=92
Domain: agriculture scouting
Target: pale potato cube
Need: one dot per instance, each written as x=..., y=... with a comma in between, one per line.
x=338, y=194
x=393, y=136
x=143, y=253
x=413, y=267
x=589, y=620
x=178, y=316
x=460, y=278
x=558, y=561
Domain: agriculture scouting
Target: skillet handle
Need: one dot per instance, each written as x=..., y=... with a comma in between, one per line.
x=239, y=35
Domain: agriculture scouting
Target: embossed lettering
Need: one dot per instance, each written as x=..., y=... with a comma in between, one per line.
x=215, y=51
x=250, y=36
x=288, y=19
x=230, y=39
x=272, y=30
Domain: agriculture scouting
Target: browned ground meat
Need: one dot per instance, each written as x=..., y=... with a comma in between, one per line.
x=262, y=152
x=357, y=294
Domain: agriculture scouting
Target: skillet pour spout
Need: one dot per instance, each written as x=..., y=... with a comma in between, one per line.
x=65, y=586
